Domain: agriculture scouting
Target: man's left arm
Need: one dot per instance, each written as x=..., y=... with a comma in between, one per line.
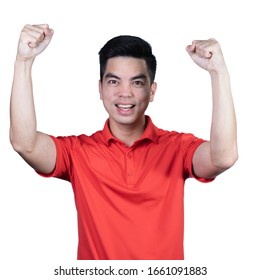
x=220, y=153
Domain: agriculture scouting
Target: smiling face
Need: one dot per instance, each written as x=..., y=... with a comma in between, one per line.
x=126, y=91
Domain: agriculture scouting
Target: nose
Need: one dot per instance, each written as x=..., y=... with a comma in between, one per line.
x=125, y=91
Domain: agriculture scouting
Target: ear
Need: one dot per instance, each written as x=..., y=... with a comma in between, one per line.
x=152, y=91
x=100, y=90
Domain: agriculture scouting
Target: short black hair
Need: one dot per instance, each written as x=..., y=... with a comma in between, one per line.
x=129, y=46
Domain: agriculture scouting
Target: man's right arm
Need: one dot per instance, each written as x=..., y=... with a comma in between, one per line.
x=36, y=148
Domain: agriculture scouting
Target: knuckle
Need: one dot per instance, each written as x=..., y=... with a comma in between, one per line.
x=27, y=27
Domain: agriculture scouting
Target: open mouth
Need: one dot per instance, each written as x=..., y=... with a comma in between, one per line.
x=124, y=106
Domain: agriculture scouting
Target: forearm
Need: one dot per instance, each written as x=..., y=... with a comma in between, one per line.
x=223, y=136
x=22, y=111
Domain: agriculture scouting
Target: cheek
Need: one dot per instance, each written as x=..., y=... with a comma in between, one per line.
x=106, y=94
x=108, y=101
x=144, y=96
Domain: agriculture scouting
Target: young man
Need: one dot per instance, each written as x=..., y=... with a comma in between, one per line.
x=128, y=179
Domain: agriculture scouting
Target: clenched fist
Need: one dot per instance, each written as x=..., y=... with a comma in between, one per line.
x=33, y=40
x=207, y=54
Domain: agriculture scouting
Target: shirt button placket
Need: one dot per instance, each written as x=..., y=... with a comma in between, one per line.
x=130, y=168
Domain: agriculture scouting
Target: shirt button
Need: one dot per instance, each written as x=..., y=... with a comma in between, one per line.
x=130, y=173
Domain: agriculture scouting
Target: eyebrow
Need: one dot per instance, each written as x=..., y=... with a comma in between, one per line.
x=139, y=76
x=111, y=75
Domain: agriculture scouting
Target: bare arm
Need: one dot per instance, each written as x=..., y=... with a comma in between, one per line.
x=36, y=148
x=220, y=153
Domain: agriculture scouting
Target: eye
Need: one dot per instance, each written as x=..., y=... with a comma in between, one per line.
x=112, y=82
x=138, y=83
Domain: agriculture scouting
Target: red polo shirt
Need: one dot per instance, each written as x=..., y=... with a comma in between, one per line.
x=129, y=200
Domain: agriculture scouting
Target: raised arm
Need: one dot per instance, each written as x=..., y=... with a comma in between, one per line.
x=220, y=153
x=36, y=148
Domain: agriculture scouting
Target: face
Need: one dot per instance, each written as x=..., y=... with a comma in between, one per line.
x=126, y=90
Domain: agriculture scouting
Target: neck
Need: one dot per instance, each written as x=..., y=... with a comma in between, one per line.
x=128, y=133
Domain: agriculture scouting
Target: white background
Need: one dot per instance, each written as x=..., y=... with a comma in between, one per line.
x=38, y=219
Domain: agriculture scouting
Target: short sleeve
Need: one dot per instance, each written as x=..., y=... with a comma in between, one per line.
x=190, y=144
x=62, y=167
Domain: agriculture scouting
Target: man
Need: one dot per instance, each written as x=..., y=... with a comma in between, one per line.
x=128, y=179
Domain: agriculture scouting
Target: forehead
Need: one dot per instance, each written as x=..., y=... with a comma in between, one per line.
x=124, y=65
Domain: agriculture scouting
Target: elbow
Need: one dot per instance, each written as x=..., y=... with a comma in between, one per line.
x=233, y=157
x=19, y=146
x=14, y=143
x=226, y=161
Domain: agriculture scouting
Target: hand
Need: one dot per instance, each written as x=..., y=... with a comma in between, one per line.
x=207, y=54
x=33, y=40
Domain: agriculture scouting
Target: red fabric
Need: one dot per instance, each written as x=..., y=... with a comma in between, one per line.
x=129, y=199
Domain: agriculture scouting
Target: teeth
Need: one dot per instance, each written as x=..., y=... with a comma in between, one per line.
x=124, y=106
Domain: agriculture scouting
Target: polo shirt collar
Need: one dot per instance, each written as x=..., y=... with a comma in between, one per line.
x=150, y=132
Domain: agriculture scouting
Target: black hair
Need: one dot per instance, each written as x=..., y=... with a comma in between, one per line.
x=130, y=46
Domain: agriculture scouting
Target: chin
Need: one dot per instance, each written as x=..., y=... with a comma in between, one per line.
x=125, y=120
